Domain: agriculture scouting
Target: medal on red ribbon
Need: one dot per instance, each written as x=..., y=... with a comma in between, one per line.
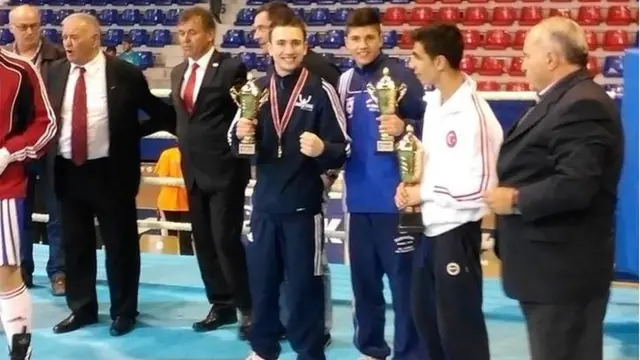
x=280, y=123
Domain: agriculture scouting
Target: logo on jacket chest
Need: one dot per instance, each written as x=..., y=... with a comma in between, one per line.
x=304, y=103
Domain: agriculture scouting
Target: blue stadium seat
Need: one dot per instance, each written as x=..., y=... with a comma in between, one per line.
x=319, y=17
x=152, y=17
x=171, y=17
x=245, y=17
x=108, y=17
x=53, y=35
x=77, y=2
x=185, y=2
x=6, y=37
x=349, y=2
x=146, y=59
x=249, y=41
x=233, y=38
x=613, y=66
x=389, y=39
x=248, y=59
x=120, y=2
x=141, y=2
x=400, y=1
x=37, y=2
x=300, y=13
x=312, y=40
x=618, y=89
x=54, y=2
x=162, y=2
x=60, y=15
x=4, y=17
x=327, y=2
x=302, y=2
x=160, y=38
x=344, y=63
x=374, y=2
x=334, y=39
x=113, y=37
x=139, y=37
x=262, y=62
x=339, y=17
x=99, y=2
x=256, y=2
x=18, y=2
x=129, y=17
x=91, y=12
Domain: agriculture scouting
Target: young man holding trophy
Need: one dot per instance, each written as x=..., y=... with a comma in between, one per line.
x=462, y=138
x=381, y=96
x=298, y=134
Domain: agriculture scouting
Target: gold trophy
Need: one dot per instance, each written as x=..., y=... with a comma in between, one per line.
x=249, y=99
x=410, y=160
x=387, y=94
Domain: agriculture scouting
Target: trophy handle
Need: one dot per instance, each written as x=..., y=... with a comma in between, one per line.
x=402, y=91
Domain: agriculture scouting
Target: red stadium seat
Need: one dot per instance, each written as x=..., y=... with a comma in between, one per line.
x=475, y=16
x=593, y=66
x=394, y=16
x=560, y=12
x=491, y=66
x=557, y=1
x=518, y=39
x=468, y=64
x=592, y=39
x=472, y=39
x=426, y=1
x=505, y=1
x=450, y=1
x=478, y=1
x=503, y=16
x=619, y=15
x=449, y=14
x=515, y=68
x=406, y=41
x=589, y=15
x=517, y=86
x=615, y=40
x=488, y=86
x=497, y=40
x=421, y=16
x=530, y=15
x=589, y=1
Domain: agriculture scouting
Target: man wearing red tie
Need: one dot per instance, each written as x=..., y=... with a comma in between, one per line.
x=215, y=179
x=97, y=170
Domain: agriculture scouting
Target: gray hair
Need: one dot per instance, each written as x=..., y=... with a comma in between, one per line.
x=567, y=38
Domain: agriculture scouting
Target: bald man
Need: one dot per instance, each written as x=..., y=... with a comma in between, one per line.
x=24, y=24
x=97, y=170
x=558, y=172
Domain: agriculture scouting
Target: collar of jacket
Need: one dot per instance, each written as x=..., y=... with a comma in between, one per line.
x=372, y=67
x=289, y=80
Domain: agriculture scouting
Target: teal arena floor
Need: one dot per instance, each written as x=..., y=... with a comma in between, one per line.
x=171, y=299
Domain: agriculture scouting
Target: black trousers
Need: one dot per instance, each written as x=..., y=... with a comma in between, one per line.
x=447, y=295
x=216, y=221
x=567, y=331
x=87, y=192
x=184, y=237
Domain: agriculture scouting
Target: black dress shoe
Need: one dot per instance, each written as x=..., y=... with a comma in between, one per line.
x=217, y=317
x=74, y=322
x=122, y=325
x=245, y=326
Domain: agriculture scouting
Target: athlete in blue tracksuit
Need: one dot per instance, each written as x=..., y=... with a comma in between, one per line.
x=287, y=220
x=375, y=246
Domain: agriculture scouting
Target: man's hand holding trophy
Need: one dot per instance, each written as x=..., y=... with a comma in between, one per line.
x=249, y=99
x=386, y=93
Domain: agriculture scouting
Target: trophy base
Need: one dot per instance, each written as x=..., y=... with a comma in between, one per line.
x=410, y=221
x=385, y=146
x=246, y=149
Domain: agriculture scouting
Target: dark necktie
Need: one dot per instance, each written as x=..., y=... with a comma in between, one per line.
x=79, y=121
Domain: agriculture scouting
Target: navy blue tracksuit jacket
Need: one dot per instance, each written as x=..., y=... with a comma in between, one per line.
x=375, y=247
x=287, y=223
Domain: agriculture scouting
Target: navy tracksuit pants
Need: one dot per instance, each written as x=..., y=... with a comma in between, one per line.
x=288, y=244
x=376, y=249
x=447, y=295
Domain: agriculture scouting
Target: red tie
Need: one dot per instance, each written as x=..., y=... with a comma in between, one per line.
x=189, y=89
x=79, y=121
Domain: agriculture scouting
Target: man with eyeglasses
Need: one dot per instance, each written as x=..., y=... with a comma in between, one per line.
x=24, y=24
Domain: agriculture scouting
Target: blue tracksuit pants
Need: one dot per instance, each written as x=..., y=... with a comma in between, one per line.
x=288, y=245
x=376, y=249
x=447, y=295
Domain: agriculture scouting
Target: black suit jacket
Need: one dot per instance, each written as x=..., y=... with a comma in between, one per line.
x=564, y=158
x=127, y=93
x=202, y=136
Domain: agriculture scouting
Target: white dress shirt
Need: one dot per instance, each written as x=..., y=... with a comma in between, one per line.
x=95, y=77
x=203, y=62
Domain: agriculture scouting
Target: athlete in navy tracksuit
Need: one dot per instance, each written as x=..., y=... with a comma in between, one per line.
x=287, y=222
x=375, y=246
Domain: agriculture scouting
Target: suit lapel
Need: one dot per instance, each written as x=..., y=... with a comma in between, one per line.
x=58, y=82
x=176, y=84
x=112, y=88
x=209, y=74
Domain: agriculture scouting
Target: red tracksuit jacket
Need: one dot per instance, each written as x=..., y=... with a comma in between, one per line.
x=27, y=120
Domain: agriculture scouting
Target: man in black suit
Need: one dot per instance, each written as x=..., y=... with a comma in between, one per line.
x=558, y=171
x=97, y=171
x=215, y=179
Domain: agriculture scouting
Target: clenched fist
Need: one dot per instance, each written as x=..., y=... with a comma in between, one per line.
x=245, y=127
x=311, y=145
x=407, y=196
x=391, y=125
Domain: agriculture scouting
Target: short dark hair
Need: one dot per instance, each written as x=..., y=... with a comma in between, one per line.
x=289, y=21
x=205, y=16
x=363, y=17
x=276, y=10
x=441, y=40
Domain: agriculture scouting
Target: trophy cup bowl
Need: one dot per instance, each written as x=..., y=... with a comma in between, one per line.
x=249, y=99
x=409, y=153
x=386, y=94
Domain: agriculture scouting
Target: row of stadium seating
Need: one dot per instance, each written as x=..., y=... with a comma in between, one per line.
x=429, y=2
x=103, y=2
x=107, y=17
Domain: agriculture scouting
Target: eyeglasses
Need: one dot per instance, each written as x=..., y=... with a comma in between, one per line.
x=25, y=27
